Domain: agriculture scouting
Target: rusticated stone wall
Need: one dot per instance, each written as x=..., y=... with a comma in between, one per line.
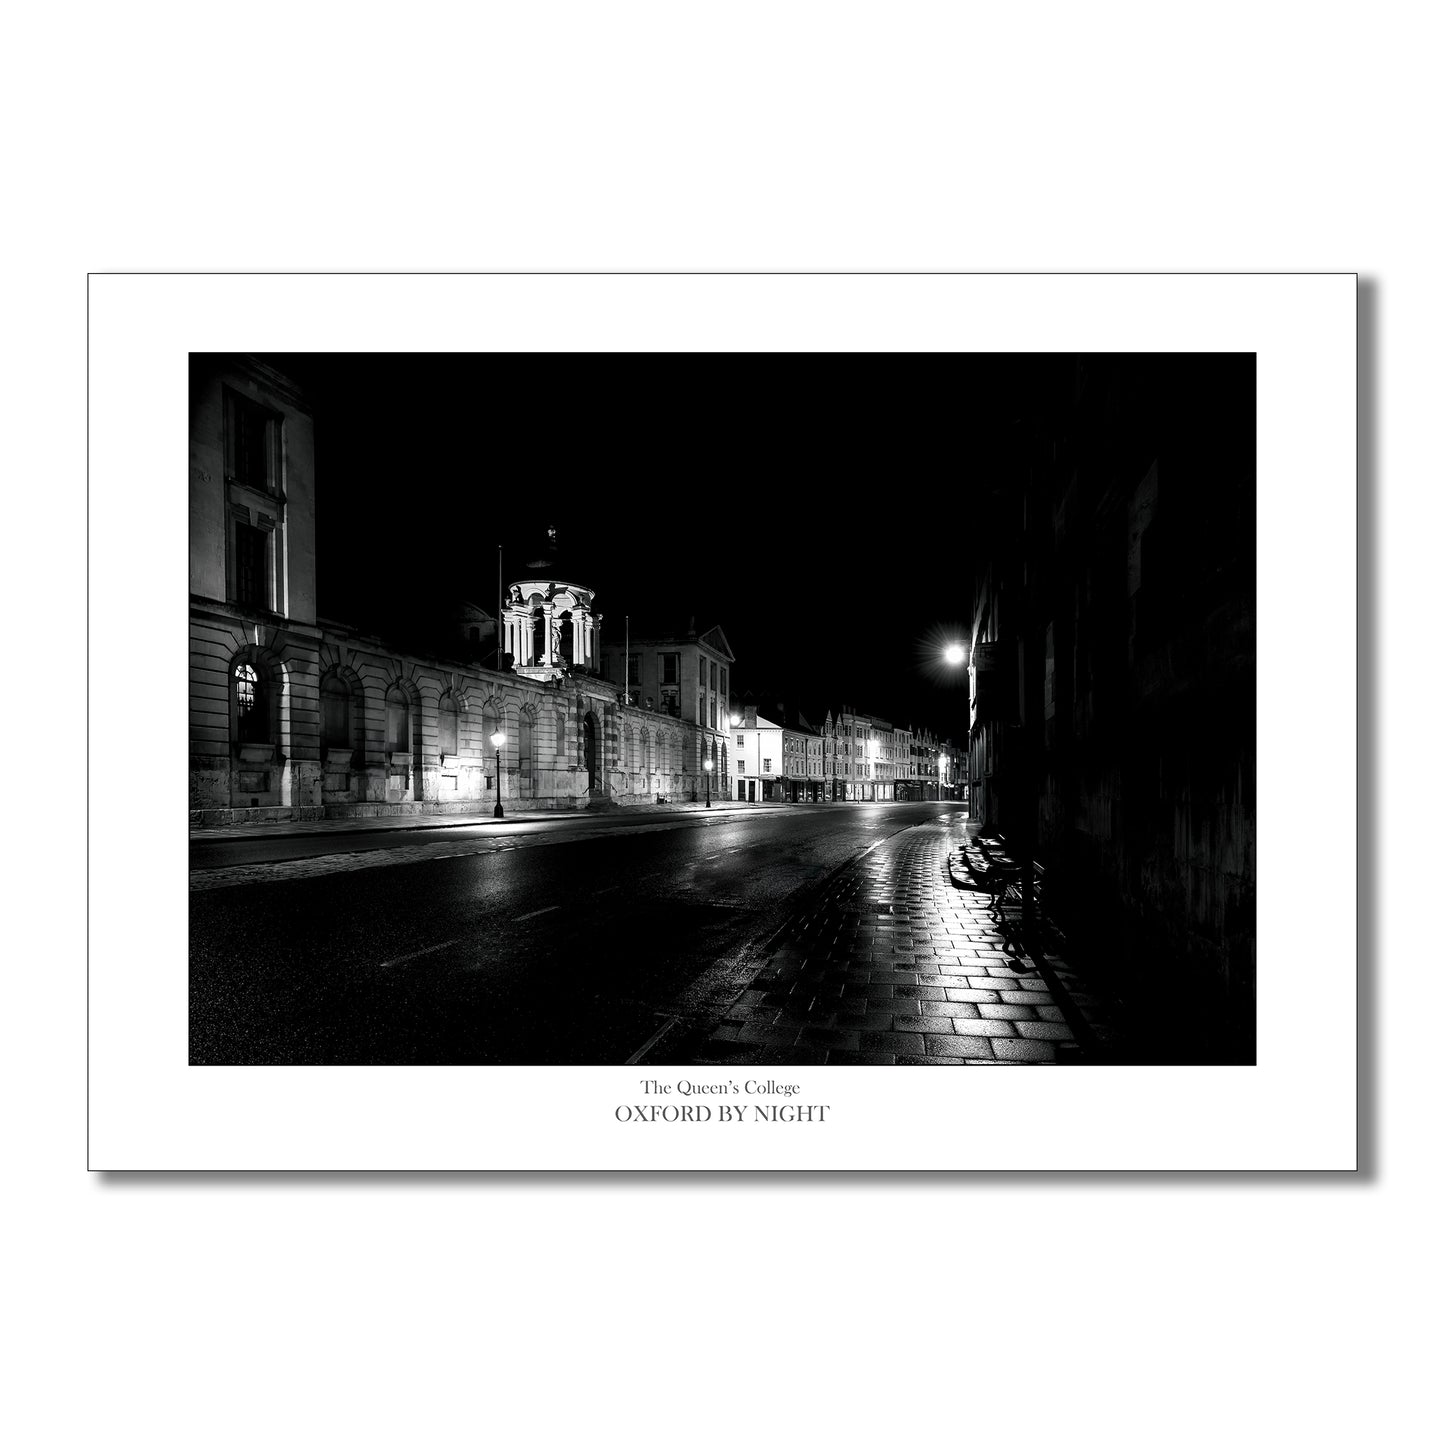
x=640, y=756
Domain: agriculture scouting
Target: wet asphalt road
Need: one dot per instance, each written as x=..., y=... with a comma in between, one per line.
x=553, y=946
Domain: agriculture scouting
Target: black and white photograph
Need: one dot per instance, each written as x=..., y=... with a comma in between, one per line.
x=723, y=711
x=576, y=570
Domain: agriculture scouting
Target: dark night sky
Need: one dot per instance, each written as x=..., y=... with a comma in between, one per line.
x=814, y=506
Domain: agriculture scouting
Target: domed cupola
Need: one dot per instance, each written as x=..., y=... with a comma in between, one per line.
x=550, y=626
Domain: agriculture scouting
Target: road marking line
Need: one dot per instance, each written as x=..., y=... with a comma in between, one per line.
x=641, y=1053
x=422, y=952
x=539, y=912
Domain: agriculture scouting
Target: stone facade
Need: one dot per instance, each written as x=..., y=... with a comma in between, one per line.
x=1112, y=669
x=802, y=764
x=294, y=717
x=550, y=627
x=863, y=755
x=679, y=677
x=929, y=769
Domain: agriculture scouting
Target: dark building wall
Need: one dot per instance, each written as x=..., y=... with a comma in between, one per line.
x=1118, y=726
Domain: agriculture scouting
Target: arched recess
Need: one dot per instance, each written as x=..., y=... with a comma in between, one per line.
x=397, y=737
x=343, y=733
x=449, y=725
x=490, y=722
x=526, y=752
x=470, y=742
x=590, y=749
x=259, y=716
x=401, y=741
x=343, y=713
x=257, y=681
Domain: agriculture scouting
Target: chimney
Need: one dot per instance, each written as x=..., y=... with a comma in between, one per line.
x=750, y=717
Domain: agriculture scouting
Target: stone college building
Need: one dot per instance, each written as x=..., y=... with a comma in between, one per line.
x=296, y=717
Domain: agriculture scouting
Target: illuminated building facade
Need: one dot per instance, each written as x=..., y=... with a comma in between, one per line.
x=678, y=676
x=295, y=717
x=758, y=758
x=863, y=756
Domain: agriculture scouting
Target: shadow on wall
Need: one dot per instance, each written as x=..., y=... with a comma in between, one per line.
x=1153, y=878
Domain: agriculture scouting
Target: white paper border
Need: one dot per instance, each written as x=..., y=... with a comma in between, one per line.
x=1294, y=1110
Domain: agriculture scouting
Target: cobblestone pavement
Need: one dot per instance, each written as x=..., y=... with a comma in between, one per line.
x=894, y=964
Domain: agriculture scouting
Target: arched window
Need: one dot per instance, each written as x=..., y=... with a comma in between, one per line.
x=447, y=725
x=490, y=724
x=398, y=721
x=626, y=748
x=539, y=636
x=252, y=711
x=335, y=712
x=644, y=758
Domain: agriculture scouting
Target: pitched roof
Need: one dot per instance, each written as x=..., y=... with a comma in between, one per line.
x=716, y=638
x=645, y=629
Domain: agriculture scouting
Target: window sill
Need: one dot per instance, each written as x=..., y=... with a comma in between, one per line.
x=263, y=611
x=276, y=497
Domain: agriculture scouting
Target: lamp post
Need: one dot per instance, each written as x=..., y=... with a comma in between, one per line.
x=707, y=773
x=955, y=654
x=498, y=738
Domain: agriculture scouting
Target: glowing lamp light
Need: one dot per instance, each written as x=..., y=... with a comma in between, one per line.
x=498, y=738
x=954, y=654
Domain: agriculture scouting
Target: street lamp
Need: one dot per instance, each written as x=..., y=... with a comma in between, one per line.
x=498, y=738
x=955, y=654
x=707, y=772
